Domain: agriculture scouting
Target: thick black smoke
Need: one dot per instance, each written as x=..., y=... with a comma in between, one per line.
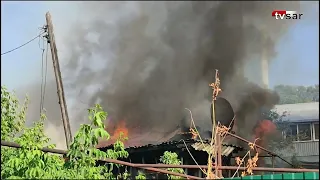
x=150, y=60
x=158, y=71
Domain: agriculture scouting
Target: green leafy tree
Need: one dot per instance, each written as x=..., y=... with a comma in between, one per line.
x=140, y=176
x=297, y=94
x=278, y=140
x=281, y=141
x=29, y=162
x=12, y=115
x=172, y=158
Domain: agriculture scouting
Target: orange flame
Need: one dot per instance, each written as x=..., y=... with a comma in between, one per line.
x=116, y=129
x=120, y=128
x=264, y=128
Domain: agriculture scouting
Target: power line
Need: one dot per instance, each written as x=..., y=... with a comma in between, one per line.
x=23, y=44
x=43, y=72
x=41, y=85
x=44, y=80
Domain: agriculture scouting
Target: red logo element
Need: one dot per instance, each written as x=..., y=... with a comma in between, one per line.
x=280, y=12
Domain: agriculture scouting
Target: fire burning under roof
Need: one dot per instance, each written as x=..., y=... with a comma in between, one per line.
x=174, y=140
x=146, y=138
x=195, y=144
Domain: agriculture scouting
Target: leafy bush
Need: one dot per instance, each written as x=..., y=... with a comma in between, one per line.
x=29, y=162
x=172, y=158
x=140, y=176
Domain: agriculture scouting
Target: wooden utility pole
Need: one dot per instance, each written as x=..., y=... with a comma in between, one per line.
x=57, y=73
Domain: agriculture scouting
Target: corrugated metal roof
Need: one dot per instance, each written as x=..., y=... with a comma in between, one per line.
x=225, y=150
x=300, y=112
x=147, y=138
x=195, y=144
x=169, y=142
x=188, y=142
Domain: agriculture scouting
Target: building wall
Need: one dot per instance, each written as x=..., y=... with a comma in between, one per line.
x=305, y=149
x=306, y=146
x=303, y=119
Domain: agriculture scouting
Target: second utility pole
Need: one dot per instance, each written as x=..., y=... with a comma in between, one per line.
x=56, y=67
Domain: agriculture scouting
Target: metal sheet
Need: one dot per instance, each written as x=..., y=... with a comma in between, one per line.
x=225, y=149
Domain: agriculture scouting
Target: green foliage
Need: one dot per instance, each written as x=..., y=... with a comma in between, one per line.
x=172, y=158
x=29, y=162
x=297, y=94
x=12, y=116
x=277, y=141
x=140, y=176
x=280, y=141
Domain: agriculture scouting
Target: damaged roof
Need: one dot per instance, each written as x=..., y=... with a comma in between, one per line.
x=225, y=149
x=151, y=137
x=197, y=145
x=172, y=140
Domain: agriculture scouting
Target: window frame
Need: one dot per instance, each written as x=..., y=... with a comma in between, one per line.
x=311, y=132
x=314, y=131
x=296, y=129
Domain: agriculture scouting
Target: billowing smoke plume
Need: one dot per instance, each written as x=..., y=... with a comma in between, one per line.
x=144, y=62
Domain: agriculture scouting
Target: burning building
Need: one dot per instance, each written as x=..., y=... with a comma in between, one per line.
x=184, y=144
x=149, y=147
x=151, y=60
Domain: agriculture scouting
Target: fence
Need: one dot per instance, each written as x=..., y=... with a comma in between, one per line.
x=155, y=167
x=286, y=176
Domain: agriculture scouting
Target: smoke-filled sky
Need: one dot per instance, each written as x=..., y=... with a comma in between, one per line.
x=144, y=62
x=299, y=45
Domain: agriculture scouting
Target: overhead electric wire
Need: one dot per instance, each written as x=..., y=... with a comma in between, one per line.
x=22, y=44
x=44, y=81
x=46, y=73
x=41, y=85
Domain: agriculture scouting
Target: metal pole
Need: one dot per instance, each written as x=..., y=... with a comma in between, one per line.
x=272, y=161
x=218, y=157
x=144, y=166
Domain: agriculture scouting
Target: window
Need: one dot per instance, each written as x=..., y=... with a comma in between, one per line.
x=316, y=131
x=304, y=132
x=292, y=132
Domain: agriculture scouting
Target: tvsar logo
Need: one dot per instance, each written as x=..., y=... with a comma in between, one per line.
x=283, y=14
